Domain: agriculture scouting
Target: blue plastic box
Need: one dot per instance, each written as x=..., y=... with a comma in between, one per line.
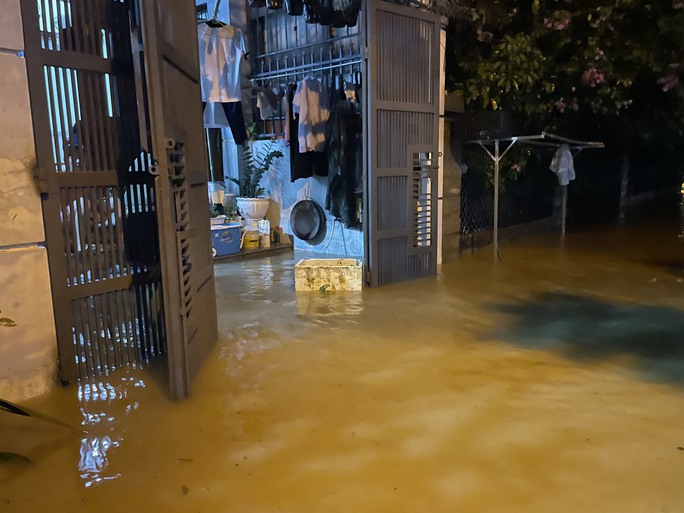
x=225, y=240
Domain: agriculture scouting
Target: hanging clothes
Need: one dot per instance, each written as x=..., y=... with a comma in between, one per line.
x=562, y=164
x=306, y=164
x=343, y=152
x=220, y=52
x=268, y=102
x=232, y=117
x=312, y=106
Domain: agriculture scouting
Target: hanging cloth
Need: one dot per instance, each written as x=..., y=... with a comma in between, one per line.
x=312, y=105
x=562, y=164
x=268, y=102
x=302, y=165
x=220, y=51
x=341, y=152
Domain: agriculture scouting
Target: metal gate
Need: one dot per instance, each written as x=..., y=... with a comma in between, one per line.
x=167, y=38
x=98, y=200
x=123, y=207
x=403, y=133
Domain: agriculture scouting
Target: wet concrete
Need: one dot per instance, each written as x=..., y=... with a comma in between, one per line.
x=553, y=381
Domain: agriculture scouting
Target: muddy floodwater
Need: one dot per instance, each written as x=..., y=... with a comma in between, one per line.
x=551, y=382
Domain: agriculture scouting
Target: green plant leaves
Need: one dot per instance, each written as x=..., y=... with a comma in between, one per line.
x=255, y=168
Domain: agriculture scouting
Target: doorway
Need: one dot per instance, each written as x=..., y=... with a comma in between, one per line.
x=123, y=171
x=120, y=180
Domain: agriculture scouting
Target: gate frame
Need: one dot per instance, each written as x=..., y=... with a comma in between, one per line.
x=372, y=233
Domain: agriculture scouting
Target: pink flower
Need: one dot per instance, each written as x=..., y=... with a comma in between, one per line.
x=668, y=82
x=556, y=25
x=560, y=105
x=593, y=77
x=560, y=25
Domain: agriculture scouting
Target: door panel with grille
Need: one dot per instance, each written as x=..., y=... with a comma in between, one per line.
x=403, y=131
x=97, y=193
x=168, y=40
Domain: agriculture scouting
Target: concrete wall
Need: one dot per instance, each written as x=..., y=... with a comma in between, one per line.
x=451, y=200
x=284, y=194
x=28, y=352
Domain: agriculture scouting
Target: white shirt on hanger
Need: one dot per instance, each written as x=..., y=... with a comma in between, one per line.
x=312, y=103
x=220, y=51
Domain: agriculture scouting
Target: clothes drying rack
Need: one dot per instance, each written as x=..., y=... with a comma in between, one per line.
x=544, y=139
x=286, y=49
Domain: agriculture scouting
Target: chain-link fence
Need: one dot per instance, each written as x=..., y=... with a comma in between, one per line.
x=528, y=198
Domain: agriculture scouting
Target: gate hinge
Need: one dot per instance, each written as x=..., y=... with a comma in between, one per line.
x=154, y=168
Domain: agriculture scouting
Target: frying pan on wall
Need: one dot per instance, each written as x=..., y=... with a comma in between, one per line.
x=307, y=220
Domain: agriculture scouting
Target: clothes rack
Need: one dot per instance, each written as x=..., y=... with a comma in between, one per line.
x=296, y=71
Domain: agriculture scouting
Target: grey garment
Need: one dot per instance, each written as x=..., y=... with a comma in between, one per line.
x=562, y=164
x=269, y=102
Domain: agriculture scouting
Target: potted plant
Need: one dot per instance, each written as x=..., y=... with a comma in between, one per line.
x=250, y=202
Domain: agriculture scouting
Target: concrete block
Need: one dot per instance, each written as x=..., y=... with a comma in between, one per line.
x=28, y=352
x=452, y=205
x=11, y=29
x=451, y=224
x=16, y=142
x=21, y=214
x=327, y=274
x=451, y=247
x=452, y=185
x=452, y=169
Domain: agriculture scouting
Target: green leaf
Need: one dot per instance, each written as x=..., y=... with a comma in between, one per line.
x=255, y=168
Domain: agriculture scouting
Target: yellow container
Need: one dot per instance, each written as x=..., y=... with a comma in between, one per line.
x=250, y=240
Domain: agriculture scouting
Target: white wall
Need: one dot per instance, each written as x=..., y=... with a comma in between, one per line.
x=285, y=194
x=28, y=352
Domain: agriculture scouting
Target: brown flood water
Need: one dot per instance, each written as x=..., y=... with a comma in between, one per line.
x=552, y=382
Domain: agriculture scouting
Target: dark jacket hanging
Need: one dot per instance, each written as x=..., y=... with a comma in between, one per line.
x=344, y=129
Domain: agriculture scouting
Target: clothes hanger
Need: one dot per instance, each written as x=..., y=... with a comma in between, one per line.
x=214, y=22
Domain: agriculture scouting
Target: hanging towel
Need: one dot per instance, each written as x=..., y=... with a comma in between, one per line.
x=312, y=104
x=562, y=164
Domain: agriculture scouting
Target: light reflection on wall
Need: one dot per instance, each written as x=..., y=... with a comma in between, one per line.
x=103, y=406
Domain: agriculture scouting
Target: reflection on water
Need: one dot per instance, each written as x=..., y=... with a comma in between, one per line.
x=102, y=406
x=93, y=462
x=327, y=304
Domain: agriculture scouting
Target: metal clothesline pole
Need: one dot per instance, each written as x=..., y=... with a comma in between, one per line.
x=564, y=210
x=496, y=157
x=564, y=204
x=534, y=140
x=496, y=201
